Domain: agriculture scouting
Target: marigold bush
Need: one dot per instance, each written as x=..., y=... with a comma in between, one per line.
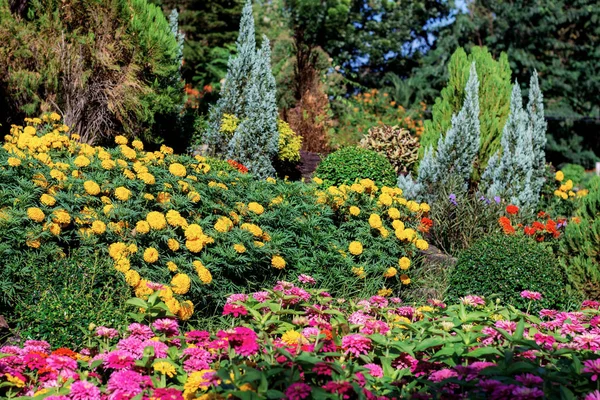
x=174, y=225
x=295, y=342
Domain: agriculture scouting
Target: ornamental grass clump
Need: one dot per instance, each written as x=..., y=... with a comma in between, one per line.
x=177, y=226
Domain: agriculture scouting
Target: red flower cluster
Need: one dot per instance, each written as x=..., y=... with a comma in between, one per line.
x=512, y=209
x=506, y=225
x=425, y=225
x=539, y=230
x=240, y=167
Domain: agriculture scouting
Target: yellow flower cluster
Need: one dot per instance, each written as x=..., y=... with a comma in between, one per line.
x=566, y=190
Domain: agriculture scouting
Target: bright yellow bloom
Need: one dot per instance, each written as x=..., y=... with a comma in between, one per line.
x=223, y=224
x=91, y=187
x=147, y=178
x=156, y=220
x=404, y=263
x=412, y=206
x=252, y=228
x=404, y=279
x=14, y=162
x=171, y=266
x=293, y=338
x=375, y=221
x=559, y=176
x=138, y=145
x=47, y=200
x=240, y=248
x=54, y=229
x=150, y=255
x=177, y=170
x=355, y=211
x=384, y=292
x=398, y=225
x=421, y=244
x=186, y=309
x=173, y=244
x=35, y=214
x=278, y=262
x=355, y=248
x=194, y=197
x=197, y=381
x=123, y=264
x=393, y=213
x=122, y=193
x=193, y=232
x=359, y=271
x=317, y=180
x=61, y=217
x=142, y=227
x=256, y=208
x=132, y=277
x=98, y=227
x=81, y=161
x=181, y=283
x=385, y=199
x=390, y=272
x=120, y=139
x=424, y=207
x=203, y=273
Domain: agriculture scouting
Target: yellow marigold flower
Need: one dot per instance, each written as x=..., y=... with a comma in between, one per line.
x=271, y=180
x=150, y=255
x=252, y=228
x=357, y=187
x=266, y=237
x=142, y=290
x=35, y=214
x=108, y=164
x=148, y=196
x=122, y=264
x=181, y=283
x=424, y=207
x=404, y=263
x=81, y=161
x=166, y=149
x=559, y=176
x=398, y=225
x=568, y=185
x=355, y=248
x=393, y=213
x=163, y=197
x=15, y=380
x=375, y=221
x=195, y=246
x=390, y=272
x=293, y=338
x=258, y=243
x=203, y=273
x=240, y=248
x=404, y=279
x=421, y=244
x=174, y=218
x=147, y=178
x=412, y=206
x=173, y=244
x=61, y=217
x=355, y=211
x=117, y=250
x=156, y=220
x=278, y=262
x=223, y=224
x=385, y=199
x=317, y=180
x=98, y=227
x=368, y=184
x=194, y=197
x=58, y=175
x=120, y=139
x=142, y=227
x=256, y=208
x=384, y=292
x=186, y=310
x=177, y=170
x=359, y=271
x=171, y=266
x=14, y=162
x=193, y=232
x=47, y=200
x=91, y=187
x=173, y=305
x=33, y=243
x=138, y=145
x=54, y=229
x=132, y=277
x=107, y=209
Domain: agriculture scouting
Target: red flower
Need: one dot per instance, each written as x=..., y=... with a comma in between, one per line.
x=506, y=225
x=240, y=167
x=512, y=209
x=529, y=231
x=426, y=224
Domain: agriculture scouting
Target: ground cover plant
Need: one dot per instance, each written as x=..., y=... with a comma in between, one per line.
x=296, y=342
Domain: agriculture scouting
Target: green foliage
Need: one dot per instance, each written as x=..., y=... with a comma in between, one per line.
x=571, y=149
x=580, y=248
x=110, y=68
x=506, y=265
x=398, y=145
x=289, y=143
x=460, y=219
x=574, y=172
x=348, y=164
x=494, y=99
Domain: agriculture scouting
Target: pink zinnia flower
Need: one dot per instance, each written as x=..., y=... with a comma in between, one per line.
x=34, y=360
x=442, y=374
x=127, y=383
x=544, y=341
x=526, y=393
x=133, y=346
x=118, y=359
x=526, y=294
x=508, y=326
x=358, y=318
x=103, y=331
x=241, y=339
x=590, y=304
x=168, y=326
x=436, y=303
x=587, y=341
x=374, y=326
x=234, y=298
x=84, y=390
x=61, y=363
x=155, y=286
x=595, y=395
x=529, y=380
x=344, y=389
x=297, y=391
x=322, y=369
x=160, y=348
x=378, y=301
x=307, y=279
x=472, y=301
x=374, y=370
x=261, y=297
x=548, y=313
x=167, y=394
x=592, y=367
x=356, y=344
x=41, y=346
x=235, y=310
x=140, y=331
x=197, y=337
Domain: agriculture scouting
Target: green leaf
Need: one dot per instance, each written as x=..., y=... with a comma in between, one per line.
x=484, y=351
x=137, y=302
x=427, y=343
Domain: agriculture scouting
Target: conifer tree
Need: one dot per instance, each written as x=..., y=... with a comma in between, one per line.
x=535, y=109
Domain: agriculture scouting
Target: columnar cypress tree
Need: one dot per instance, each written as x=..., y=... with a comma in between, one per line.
x=510, y=174
x=174, y=25
x=535, y=109
x=456, y=151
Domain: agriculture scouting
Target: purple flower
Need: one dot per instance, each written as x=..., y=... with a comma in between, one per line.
x=452, y=199
x=529, y=380
x=497, y=199
x=297, y=391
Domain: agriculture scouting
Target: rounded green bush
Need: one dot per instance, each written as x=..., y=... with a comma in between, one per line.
x=348, y=164
x=505, y=265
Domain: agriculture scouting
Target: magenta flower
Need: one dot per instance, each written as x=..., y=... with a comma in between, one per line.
x=587, y=341
x=374, y=370
x=261, y=297
x=307, y=279
x=322, y=369
x=118, y=359
x=442, y=374
x=235, y=310
x=133, y=346
x=34, y=360
x=61, y=363
x=472, y=301
x=168, y=326
x=527, y=393
x=238, y=297
x=379, y=301
x=592, y=367
x=436, y=303
x=197, y=337
x=595, y=395
x=356, y=344
x=84, y=390
x=167, y=394
x=529, y=380
x=298, y=391
x=241, y=339
x=544, y=341
x=526, y=294
x=344, y=389
x=127, y=383
x=140, y=331
x=40, y=346
x=591, y=304
x=358, y=318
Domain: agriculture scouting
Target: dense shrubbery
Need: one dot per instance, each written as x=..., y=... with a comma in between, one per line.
x=192, y=232
x=348, y=164
x=505, y=265
x=293, y=342
x=397, y=144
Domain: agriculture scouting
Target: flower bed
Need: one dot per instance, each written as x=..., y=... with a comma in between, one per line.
x=296, y=342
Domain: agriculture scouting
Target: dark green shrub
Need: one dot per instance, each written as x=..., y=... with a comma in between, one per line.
x=574, y=172
x=348, y=164
x=506, y=265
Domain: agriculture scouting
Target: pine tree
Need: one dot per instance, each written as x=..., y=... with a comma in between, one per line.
x=535, y=109
x=456, y=152
x=510, y=173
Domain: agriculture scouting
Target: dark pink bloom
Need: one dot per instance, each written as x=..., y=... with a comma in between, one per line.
x=197, y=337
x=40, y=346
x=140, y=331
x=442, y=374
x=529, y=380
x=127, y=383
x=592, y=367
x=234, y=309
x=595, y=395
x=168, y=326
x=544, y=341
x=167, y=394
x=587, y=341
x=526, y=393
x=118, y=359
x=241, y=339
x=298, y=391
x=374, y=370
x=344, y=389
x=591, y=304
x=84, y=390
x=436, y=303
x=61, y=363
x=322, y=369
x=526, y=294
x=34, y=360
x=356, y=344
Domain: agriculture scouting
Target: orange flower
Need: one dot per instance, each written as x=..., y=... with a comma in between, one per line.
x=506, y=225
x=512, y=209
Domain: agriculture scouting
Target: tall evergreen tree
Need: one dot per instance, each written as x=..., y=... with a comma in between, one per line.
x=535, y=109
